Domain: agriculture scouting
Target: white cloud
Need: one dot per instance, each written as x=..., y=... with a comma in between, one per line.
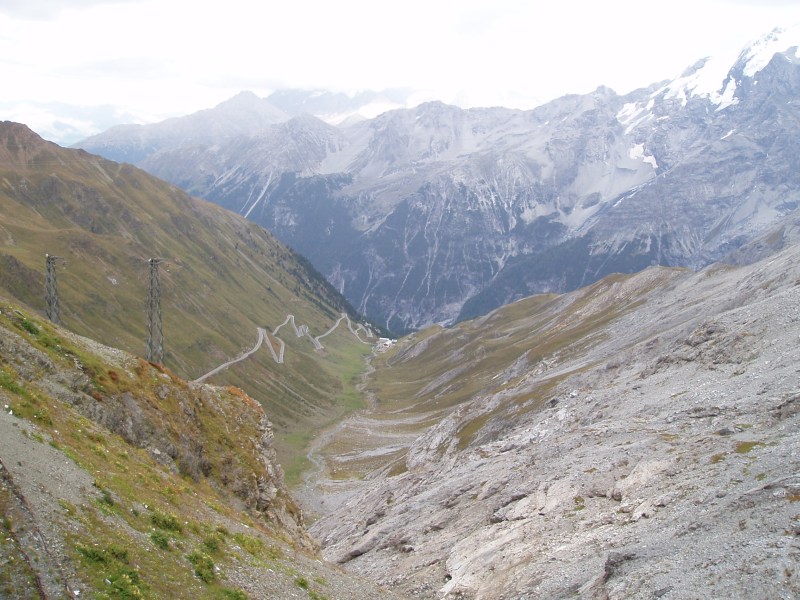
x=162, y=57
x=47, y=9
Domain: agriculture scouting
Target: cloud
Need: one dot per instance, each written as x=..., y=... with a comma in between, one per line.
x=159, y=58
x=64, y=123
x=766, y=3
x=49, y=9
x=132, y=67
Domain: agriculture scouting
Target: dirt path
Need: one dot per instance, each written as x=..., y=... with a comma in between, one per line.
x=34, y=478
x=340, y=453
x=344, y=317
x=319, y=494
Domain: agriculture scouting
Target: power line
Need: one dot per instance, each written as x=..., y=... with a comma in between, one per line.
x=51, y=289
x=155, y=336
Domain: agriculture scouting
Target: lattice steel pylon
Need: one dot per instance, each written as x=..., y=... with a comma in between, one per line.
x=51, y=289
x=155, y=337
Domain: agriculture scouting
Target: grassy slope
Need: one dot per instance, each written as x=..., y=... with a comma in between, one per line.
x=140, y=529
x=224, y=277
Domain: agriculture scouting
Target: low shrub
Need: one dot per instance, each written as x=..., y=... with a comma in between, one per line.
x=165, y=521
x=203, y=566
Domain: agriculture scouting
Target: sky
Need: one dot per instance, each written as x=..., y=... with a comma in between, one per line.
x=93, y=63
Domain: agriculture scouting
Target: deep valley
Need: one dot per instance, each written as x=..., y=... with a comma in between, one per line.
x=439, y=353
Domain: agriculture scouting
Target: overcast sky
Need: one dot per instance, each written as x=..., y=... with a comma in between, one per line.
x=149, y=59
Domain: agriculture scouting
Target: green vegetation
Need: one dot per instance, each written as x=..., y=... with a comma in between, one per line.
x=251, y=544
x=223, y=278
x=232, y=594
x=160, y=540
x=29, y=326
x=203, y=566
x=165, y=521
x=143, y=530
x=9, y=383
x=212, y=543
x=745, y=447
x=106, y=501
x=113, y=564
x=303, y=583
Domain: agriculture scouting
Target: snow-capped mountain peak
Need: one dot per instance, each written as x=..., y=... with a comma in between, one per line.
x=716, y=78
x=425, y=214
x=758, y=54
x=706, y=78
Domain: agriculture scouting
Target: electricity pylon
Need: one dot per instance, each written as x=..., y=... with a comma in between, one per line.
x=155, y=337
x=51, y=289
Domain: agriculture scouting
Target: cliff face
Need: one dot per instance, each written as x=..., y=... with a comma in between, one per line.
x=118, y=477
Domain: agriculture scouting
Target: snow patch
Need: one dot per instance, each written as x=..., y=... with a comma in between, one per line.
x=727, y=98
x=705, y=80
x=637, y=153
x=628, y=112
x=632, y=115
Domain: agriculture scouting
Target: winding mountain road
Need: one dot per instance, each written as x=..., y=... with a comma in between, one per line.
x=344, y=317
x=300, y=331
x=261, y=333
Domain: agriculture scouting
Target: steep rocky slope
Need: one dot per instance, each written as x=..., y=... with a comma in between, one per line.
x=120, y=480
x=634, y=439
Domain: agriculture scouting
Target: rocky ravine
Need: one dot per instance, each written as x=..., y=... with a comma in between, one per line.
x=663, y=464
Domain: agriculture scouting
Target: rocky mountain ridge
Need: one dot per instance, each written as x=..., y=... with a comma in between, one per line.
x=436, y=213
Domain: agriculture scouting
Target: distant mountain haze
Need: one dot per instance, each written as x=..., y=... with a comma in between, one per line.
x=436, y=213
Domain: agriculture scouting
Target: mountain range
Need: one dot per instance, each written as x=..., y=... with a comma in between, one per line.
x=436, y=213
x=634, y=438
